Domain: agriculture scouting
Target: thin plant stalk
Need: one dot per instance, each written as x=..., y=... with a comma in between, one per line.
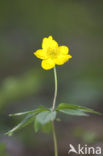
x=53, y=109
x=54, y=139
x=55, y=92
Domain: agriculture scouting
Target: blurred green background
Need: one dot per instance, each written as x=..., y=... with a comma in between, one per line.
x=24, y=85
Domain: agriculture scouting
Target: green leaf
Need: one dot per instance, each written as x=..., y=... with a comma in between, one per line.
x=47, y=127
x=70, y=107
x=26, y=121
x=45, y=117
x=44, y=128
x=73, y=112
x=21, y=113
x=38, y=110
x=37, y=126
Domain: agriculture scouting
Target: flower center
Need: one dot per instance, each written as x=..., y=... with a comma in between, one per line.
x=52, y=53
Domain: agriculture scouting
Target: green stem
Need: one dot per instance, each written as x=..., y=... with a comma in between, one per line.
x=55, y=139
x=55, y=93
x=53, y=109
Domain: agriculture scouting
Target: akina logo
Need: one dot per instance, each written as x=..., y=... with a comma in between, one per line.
x=84, y=149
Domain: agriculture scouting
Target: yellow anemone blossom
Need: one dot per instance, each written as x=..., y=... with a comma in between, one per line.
x=52, y=54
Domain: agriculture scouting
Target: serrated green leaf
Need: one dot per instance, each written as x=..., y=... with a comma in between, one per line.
x=45, y=117
x=63, y=106
x=73, y=112
x=26, y=121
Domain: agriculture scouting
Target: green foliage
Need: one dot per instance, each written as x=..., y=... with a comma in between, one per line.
x=21, y=113
x=45, y=117
x=42, y=116
x=45, y=128
x=26, y=121
x=37, y=125
x=75, y=110
x=38, y=110
x=30, y=116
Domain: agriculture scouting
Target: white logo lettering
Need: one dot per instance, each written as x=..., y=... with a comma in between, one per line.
x=84, y=149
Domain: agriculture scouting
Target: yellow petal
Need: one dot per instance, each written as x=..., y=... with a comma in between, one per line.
x=62, y=59
x=47, y=64
x=49, y=43
x=63, y=49
x=40, y=54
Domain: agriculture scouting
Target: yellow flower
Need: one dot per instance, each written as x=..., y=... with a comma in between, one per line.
x=52, y=54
